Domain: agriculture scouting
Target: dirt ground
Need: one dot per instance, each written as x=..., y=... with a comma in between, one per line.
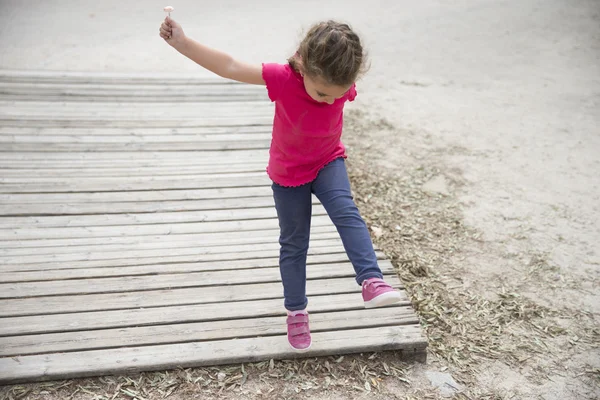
x=474, y=156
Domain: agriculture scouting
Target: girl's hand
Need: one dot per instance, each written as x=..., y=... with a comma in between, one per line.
x=172, y=32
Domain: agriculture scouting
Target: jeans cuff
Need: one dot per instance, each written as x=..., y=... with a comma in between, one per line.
x=297, y=308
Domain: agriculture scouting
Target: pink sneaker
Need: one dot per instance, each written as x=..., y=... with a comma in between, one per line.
x=377, y=293
x=298, y=332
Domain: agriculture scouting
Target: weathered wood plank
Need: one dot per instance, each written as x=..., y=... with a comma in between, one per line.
x=40, y=246
x=137, y=97
x=153, y=269
x=70, y=146
x=167, y=259
x=143, y=218
x=164, y=281
x=150, y=131
x=66, y=122
x=128, y=360
x=72, y=322
x=108, y=257
x=154, y=229
x=132, y=156
x=170, y=297
x=106, y=182
x=108, y=78
x=156, y=245
x=201, y=331
x=161, y=183
x=198, y=162
x=68, y=91
x=133, y=139
x=168, y=87
x=167, y=111
x=123, y=93
x=28, y=173
x=135, y=196
x=54, y=209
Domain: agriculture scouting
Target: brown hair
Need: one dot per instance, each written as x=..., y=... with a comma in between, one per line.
x=330, y=51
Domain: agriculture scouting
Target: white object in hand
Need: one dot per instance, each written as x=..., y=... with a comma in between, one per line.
x=169, y=9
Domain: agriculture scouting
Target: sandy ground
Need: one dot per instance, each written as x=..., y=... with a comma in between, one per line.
x=499, y=100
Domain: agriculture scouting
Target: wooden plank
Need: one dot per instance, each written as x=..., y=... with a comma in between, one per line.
x=167, y=111
x=196, y=160
x=67, y=90
x=164, y=183
x=130, y=95
x=170, y=297
x=143, y=218
x=66, y=122
x=162, y=107
x=93, y=220
x=73, y=322
x=218, y=145
x=135, y=196
x=109, y=257
x=153, y=229
x=163, y=245
x=164, y=281
x=133, y=139
x=150, y=131
x=122, y=95
x=70, y=256
x=131, y=156
x=123, y=87
x=54, y=209
x=123, y=171
x=135, y=97
x=107, y=78
x=120, y=180
x=133, y=207
x=176, y=268
x=197, y=113
x=201, y=331
x=195, y=354
x=138, y=95
x=40, y=245
x=142, y=169
x=106, y=182
x=167, y=259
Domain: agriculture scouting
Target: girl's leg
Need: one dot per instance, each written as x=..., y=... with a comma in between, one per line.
x=332, y=187
x=294, y=210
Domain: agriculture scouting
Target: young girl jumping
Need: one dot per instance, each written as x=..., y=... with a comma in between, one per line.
x=306, y=154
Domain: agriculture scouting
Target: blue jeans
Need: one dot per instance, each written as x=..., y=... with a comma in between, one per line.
x=294, y=210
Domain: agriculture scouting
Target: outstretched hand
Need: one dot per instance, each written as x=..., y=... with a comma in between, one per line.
x=172, y=32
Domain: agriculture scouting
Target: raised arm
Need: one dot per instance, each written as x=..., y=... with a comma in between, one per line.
x=213, y=60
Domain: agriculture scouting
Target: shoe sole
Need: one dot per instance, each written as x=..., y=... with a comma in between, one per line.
x=300, y=350
x=384, y=299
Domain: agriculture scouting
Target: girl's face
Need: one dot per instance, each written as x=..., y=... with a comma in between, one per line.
x=322, y=92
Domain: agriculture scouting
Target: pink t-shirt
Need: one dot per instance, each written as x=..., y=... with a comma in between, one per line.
x=306, y=133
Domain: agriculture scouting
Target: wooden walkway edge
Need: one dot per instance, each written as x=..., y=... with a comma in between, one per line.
x=138, y=233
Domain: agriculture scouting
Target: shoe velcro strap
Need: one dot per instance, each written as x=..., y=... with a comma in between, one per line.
x=300, y=330
x=297, y=319
x=379, y=284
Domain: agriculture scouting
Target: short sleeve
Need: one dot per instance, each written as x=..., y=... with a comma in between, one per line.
x=352, y=92
x=275, y=76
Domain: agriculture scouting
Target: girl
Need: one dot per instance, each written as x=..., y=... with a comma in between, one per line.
x=306, y=154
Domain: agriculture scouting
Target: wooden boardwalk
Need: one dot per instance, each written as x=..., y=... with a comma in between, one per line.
x=138, y=232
